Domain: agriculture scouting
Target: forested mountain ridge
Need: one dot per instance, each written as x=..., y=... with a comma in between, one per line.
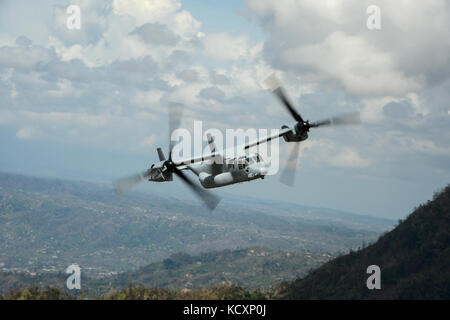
x=414, y=260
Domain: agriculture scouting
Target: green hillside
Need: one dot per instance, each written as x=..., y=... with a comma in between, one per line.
x=48, y=224
x=414, y=259
x=250, y=268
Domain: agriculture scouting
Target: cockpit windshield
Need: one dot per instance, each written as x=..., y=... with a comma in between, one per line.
x=254, y=158
x=244, y=161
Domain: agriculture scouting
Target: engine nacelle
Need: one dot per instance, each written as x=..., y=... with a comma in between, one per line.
x=159, y=173
x=218, y=180
x=300, y=133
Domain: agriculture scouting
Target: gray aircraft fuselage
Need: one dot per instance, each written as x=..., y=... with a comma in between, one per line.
x=214, y=175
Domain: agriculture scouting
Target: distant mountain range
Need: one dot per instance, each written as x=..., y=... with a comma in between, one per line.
x=48, y=224
x=414, y=262
x=201, y=255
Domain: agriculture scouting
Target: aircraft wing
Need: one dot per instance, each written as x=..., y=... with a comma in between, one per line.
x=201, y=158
x=280, y=133
x=212, y=155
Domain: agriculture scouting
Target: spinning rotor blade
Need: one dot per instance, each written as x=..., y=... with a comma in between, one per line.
x=175, y=115
x=273, y=84
x=288, y=175
x=125, y=184
x=208, y=198
x=340, y=120
x=160, y=154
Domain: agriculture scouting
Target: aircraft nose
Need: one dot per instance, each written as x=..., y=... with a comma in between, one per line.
x=264, y=170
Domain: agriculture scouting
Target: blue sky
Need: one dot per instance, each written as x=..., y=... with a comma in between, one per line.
x=91, y=104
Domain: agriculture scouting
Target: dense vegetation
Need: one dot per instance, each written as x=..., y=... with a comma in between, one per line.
x=414, y=259
x=223, y=292
x=34, y=293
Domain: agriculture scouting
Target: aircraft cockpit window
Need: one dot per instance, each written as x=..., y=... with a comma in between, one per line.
x=241, y=162
x=253, y=159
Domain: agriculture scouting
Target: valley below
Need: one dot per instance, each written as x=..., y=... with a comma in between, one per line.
x=48, y=224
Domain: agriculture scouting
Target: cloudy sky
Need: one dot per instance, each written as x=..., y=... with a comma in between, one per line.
x=91, y=104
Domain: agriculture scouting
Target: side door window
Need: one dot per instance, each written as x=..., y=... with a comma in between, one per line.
x=241, y=163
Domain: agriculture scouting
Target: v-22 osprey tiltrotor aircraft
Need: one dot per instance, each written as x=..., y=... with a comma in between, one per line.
x=214, y=171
